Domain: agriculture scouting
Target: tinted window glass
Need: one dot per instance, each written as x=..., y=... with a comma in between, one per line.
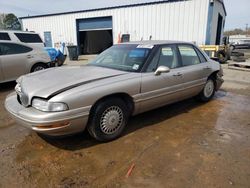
x=4, y=36
x=10, y=48
x=188, y=55
x=30, y=38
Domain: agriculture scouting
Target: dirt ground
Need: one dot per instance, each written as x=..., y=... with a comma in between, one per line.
x=187, y=144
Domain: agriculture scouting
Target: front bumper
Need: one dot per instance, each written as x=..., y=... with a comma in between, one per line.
x=49, y=123
x=219, y=82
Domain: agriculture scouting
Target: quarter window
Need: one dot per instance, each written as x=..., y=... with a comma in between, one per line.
x=201, y=56
x=10, y=48
x=4, y=36
x=188, y=55
x=29, y=38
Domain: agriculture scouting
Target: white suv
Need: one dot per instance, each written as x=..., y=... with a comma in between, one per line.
x=17, y=59
x=27, y=37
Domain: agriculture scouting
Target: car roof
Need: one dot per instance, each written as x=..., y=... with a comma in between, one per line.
x=17, y=42
x=17, y=31
x=157, y=42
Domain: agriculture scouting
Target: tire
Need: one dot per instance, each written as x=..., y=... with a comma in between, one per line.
x=38, y=67
x=208, y=91
x=237, y=54
x=232, y=47
x=239, y=58
x=108, y=119
x=222, y=56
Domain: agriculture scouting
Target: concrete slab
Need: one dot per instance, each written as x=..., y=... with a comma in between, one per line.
x=244, y=66
x=82, y=60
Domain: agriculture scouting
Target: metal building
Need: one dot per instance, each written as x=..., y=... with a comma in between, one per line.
x=199, y=21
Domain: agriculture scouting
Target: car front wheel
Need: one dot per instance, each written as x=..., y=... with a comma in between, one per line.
x=208, y=91
x=108, y=119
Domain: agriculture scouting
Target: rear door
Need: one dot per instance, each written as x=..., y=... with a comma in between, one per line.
x=4, y=36
x=194, y=71
x=14, y=60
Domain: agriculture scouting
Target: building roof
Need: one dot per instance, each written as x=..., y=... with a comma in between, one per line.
x=16, y=31
x=222, y=2
x=103, y=8
x=115, y=7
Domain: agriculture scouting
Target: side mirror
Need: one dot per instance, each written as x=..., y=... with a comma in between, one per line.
x=162, y=69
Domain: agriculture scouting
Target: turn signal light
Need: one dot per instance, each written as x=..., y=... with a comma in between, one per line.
x=56, y=125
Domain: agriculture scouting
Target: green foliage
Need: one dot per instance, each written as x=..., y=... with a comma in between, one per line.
x=9, y=21
x=237, y=32
x=1, y=21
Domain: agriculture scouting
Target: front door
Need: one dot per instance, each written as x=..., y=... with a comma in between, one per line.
x=159, y=90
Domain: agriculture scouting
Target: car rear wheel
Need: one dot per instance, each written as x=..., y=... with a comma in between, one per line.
x=208, y=91
x=108, y=119
x=38, y=67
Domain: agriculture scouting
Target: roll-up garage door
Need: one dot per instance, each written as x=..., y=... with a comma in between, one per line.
x=94, y=35
x=101, y=23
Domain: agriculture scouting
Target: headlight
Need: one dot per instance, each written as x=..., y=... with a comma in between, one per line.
x=45, y=106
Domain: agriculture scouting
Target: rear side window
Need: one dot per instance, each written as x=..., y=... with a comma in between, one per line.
x=4, y=36
x=29, y=38
x=11, y=48
x=188, y=55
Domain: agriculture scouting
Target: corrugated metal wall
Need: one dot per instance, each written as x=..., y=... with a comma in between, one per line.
x=179, y=20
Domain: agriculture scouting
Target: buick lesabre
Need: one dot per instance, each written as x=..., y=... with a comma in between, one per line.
x=125, y=80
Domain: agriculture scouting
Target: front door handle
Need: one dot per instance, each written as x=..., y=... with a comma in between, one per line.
x=207, y=68
x=178, y=74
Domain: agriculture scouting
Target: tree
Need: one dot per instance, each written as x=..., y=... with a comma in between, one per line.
x=237, y=31
x=11, y=22
x=1, y=21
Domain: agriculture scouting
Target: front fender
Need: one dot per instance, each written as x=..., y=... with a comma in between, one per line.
x=89, y=94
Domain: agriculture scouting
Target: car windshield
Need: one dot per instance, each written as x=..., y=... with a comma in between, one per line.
x=125, y=57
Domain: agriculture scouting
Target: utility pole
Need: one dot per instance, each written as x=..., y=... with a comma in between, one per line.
x=246, y=29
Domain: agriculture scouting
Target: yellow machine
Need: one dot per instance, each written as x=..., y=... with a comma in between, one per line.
x=220, y=53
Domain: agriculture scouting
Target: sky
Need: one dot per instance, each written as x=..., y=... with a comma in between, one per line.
x=238, y=14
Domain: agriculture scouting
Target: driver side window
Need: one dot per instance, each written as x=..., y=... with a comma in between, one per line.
x=166, y=56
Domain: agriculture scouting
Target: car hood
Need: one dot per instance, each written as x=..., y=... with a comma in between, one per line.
x=52, y=81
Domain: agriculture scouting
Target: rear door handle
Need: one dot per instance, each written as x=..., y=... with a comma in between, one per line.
x=177, y=74
x=29, y=56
